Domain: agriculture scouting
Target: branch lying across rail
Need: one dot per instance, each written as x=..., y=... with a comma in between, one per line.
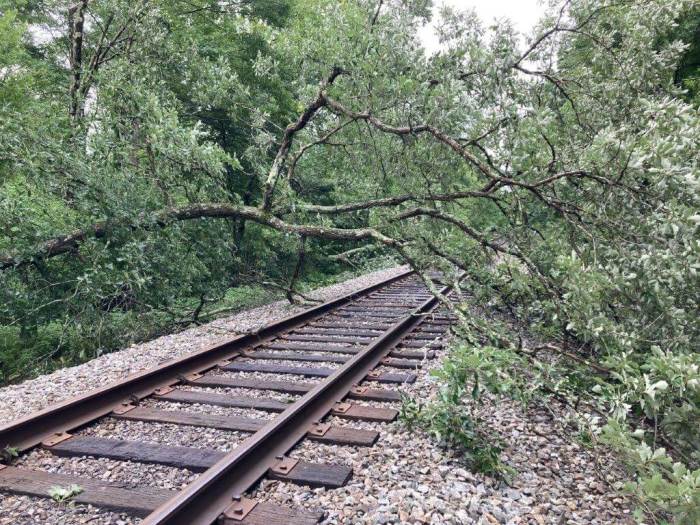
x=470, y=232
x=441, y=136
x=69, y=243
x=478, y=237
x=596, y=367
x=345, y=256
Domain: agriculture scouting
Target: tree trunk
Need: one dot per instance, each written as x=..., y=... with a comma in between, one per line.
x=76, y=23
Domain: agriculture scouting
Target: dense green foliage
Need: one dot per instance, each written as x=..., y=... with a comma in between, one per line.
x=158, y=158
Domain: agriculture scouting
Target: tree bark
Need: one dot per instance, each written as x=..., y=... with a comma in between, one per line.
x=76, y=23
x=297, y=269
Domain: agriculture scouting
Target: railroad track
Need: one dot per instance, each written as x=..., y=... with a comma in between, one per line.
x=335, y=360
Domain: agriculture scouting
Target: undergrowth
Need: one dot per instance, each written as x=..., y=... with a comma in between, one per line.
x=453, y=418
x=664, y=480
x=453, y=423
x=25, y=353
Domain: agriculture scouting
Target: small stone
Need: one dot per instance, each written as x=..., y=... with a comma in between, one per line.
x=512, y=494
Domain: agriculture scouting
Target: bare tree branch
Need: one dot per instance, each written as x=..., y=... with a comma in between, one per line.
x=345, y=256
x=288, y=137
x=492, y=173
x=485, y=192
x=376, y=14
x=306, y=147
x=297, y=269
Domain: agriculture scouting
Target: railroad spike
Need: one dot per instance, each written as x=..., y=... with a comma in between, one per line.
x=123, y=408
x=163, y=390
x=284, y=466
x=319, y=429
x=341, y=407
x=58, y=437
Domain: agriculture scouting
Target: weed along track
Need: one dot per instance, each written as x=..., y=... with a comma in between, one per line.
x=228, y=416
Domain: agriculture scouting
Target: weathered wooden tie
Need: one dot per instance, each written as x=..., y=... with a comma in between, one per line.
x=224, y=400
x=420, y=344
x=374, y=394
x=382, y=377
x=360, y=332
x=331, y=434
x=364, y=413
x=413, y=354
x=373, y=315
x=297, y=356
x=313, y=474
x=356, y=340
x=273, y=514
x=393, y=362
x=194, y=459
x=318, y=347
x=389, y=377
x=351, y=326
x=111, y=496
x=195, y=419
x=374, y=310
x=219, y=381
x=278, y=369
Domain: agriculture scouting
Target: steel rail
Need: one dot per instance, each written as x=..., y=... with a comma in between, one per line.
x=205, y=499
x=27, y=432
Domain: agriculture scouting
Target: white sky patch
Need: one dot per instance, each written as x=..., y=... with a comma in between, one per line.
x=524, y=14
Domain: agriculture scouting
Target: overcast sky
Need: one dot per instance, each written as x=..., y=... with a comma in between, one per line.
x=523, y=13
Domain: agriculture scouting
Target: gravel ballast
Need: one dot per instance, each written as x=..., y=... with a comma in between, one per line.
x=164, y=434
